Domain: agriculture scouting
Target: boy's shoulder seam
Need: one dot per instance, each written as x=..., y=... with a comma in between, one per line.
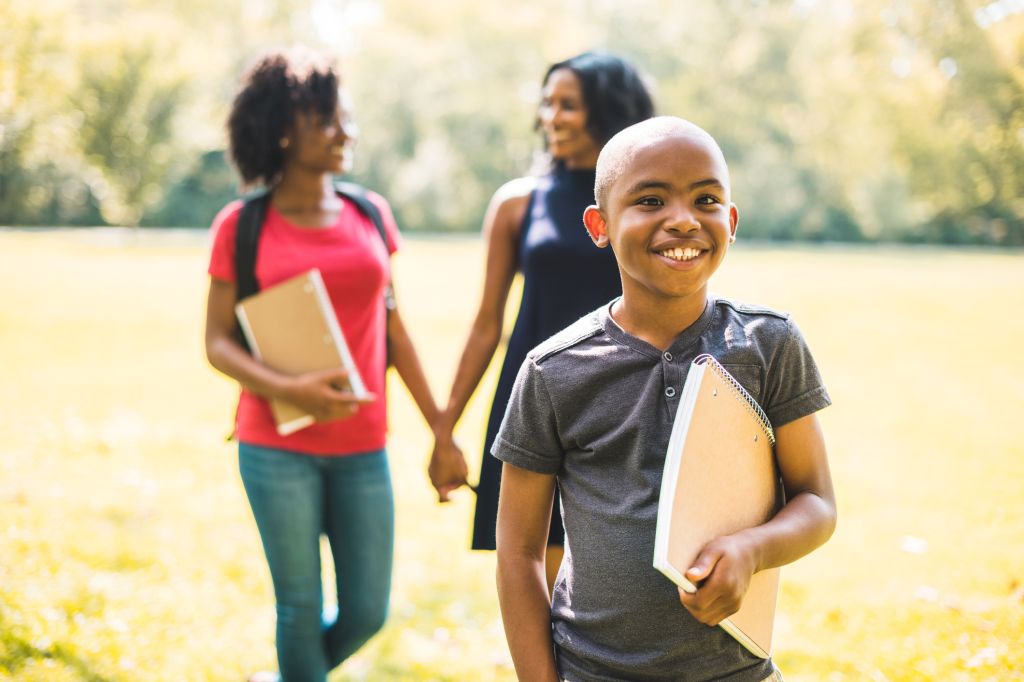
x=752, y=309
x=579, y=331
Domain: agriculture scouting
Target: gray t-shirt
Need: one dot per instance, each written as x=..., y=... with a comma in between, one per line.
x=594, y=406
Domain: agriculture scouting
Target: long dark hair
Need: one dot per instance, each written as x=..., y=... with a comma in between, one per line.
x=614, y=93
x=276, y=87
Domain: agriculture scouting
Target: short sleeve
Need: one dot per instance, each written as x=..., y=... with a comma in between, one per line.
x=528, y=437
x=388, y=218
x=794, y=387
x=222, y=251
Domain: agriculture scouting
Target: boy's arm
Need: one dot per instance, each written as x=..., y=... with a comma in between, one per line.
x=807, y=520
x=524, y=515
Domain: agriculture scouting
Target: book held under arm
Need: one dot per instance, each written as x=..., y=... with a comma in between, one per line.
x=291, y=327
x=720, y=477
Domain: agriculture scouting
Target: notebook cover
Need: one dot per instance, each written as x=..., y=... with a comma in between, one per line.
x=292, y=328
x=720, y=477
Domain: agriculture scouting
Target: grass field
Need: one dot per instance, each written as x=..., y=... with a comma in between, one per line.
x=127, y=550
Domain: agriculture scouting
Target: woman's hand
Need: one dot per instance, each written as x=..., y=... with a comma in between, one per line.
x=327, y=394
x=447, y=469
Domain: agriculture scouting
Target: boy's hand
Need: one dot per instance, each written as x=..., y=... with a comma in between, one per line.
x=722, y=573
x=447, y=469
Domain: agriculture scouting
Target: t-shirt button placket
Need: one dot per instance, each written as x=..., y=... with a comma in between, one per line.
x=667, y=356
x=670, y=392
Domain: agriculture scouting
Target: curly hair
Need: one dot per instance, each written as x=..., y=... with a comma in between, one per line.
x=613, y=92
x=273, y=90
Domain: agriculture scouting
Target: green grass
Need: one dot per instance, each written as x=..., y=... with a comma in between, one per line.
x=127, y=551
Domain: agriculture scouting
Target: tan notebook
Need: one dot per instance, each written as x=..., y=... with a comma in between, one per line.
x=720, y=477
x=292, y=328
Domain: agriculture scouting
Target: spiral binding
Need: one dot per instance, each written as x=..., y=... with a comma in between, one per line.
x=741, y=392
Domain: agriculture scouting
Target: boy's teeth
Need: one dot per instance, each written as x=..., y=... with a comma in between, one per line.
x=681, y=254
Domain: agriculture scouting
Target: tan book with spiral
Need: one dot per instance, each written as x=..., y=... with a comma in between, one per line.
x=292, y=328
x=720, y=477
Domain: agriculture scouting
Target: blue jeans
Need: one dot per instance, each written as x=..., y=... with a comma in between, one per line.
x=296, y=498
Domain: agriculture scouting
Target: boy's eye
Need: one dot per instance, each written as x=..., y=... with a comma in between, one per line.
x=650, y=201
x=708, y=199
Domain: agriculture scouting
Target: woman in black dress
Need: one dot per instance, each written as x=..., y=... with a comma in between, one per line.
x=534, y=225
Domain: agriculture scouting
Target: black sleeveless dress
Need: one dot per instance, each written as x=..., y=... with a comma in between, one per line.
x=564, y=277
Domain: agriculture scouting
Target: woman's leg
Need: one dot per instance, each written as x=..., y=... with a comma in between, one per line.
x=285, y=490
x=360, y=525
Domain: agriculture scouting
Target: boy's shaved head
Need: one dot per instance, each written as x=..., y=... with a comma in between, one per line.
x=617, y=155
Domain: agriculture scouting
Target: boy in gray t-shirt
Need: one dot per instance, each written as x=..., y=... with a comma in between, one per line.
x=593, y=408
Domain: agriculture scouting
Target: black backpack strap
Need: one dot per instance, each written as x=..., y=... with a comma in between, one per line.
x=358, y=196
x=247, y=240
x=250, y=225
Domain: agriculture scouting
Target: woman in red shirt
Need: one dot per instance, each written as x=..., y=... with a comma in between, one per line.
x=291, y=131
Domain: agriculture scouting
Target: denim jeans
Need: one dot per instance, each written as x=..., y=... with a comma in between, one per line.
x=295, y=498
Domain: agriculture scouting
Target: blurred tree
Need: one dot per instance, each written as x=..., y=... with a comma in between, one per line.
x=193, y=200
x=445, y=122
x=967, y=161
x=41, y=177
x=128, y=105
x=878, y=120
x=748, y=73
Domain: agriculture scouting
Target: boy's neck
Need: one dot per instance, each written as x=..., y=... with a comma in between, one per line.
x=658, y=321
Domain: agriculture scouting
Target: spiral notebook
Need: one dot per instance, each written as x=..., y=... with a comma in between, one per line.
x=292, y=328
x=720, y=477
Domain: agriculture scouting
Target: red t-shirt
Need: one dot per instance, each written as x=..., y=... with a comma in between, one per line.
x=354, y=263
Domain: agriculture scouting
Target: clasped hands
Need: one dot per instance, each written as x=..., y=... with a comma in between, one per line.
x=447, y=469
x=327, y=395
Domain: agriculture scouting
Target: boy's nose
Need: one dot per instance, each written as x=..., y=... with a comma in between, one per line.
x=682, y=221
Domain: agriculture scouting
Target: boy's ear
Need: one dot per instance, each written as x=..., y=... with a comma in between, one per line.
x=734, y=221
x=596, y=227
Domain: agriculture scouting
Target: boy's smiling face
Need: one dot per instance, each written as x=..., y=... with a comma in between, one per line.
x=666, y=213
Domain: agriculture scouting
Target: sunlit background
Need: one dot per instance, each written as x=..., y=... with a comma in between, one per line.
x=127, y=550
x=893, y=120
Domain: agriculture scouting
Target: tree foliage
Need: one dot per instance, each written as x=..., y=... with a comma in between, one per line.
x=876, y=120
